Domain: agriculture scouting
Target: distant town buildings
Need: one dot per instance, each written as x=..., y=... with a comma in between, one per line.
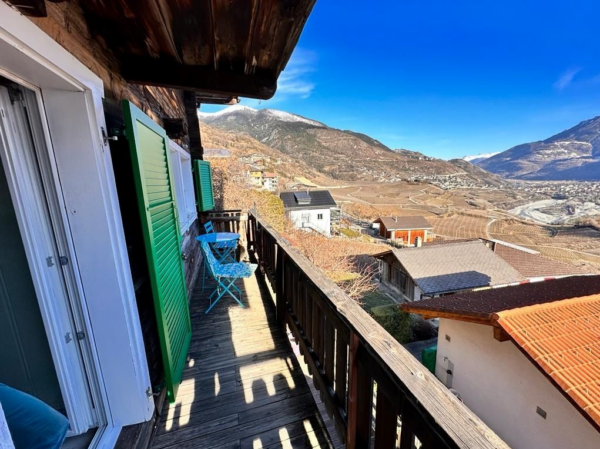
x=270, y=181
x=216, y=153
x=265, y=180
x=255, y=177
x=309, y=210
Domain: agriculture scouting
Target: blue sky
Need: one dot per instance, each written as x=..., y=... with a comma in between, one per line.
x=447, y=78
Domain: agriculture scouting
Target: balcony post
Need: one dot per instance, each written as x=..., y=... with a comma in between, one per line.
x=279, y=285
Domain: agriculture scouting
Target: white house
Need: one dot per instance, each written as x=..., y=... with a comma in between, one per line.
x=270, y=181
x=525, y=359
x=310, y=210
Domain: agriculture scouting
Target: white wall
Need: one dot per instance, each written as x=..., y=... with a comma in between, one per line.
x=504, y=388
x=323, y=225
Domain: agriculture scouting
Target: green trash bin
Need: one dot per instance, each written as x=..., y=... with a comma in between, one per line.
x=428, y=356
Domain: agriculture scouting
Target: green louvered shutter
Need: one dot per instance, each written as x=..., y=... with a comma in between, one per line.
x=205, y=199
x=149, y=147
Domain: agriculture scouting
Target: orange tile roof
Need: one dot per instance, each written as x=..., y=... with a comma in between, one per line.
x=563, y=339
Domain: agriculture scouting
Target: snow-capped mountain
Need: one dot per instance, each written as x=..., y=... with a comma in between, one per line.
x=477, y=158
x=573, y=154
x=256, y=114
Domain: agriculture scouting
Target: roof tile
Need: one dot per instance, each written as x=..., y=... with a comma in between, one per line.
x=563, y=340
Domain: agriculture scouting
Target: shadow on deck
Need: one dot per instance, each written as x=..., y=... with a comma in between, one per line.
x=243, y=386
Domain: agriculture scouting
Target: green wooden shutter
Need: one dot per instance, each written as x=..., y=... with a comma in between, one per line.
x=150, y=155
x=205, y=199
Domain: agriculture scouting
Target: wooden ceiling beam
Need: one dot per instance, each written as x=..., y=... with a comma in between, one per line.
x=163, y=73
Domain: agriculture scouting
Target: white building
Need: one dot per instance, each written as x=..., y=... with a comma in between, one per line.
x=270, y=181
x=310, y=210
x=523, y=358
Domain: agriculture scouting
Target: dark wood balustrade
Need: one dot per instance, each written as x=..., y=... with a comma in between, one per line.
x=377, y=393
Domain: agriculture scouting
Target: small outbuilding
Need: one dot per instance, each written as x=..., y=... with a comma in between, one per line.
x=404, y=230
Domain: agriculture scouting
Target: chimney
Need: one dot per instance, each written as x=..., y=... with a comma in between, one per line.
x=395, y=219
x=418, y=242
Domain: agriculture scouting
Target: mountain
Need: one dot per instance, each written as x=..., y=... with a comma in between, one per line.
x=339, y=154
x=573, y=154
x=476, y=159
x=476, y=174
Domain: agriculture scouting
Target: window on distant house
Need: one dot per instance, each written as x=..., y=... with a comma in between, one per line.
x=399, y=279
x=319, y=216
x=181, y=165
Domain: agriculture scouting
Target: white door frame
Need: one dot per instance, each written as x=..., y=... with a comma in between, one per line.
x=72, y=99
x=43, y=251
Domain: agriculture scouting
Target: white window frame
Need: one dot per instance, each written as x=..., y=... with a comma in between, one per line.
x=183, y=178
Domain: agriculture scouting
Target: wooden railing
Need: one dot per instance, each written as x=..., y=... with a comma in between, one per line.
x=230, y=221
x=377, y=393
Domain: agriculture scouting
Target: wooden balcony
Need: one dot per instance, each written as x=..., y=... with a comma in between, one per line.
x=244, y=387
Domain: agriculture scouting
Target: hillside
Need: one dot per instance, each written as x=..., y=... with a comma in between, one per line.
x=338, y=154
x=475, y=173
x=573, y=154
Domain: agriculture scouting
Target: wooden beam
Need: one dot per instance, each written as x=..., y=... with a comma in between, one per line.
x=174, y=127
x=191, y=114
x=429, y=314
x=500, y=334
x=203, y=98
x=159, y=72
x=31, y=8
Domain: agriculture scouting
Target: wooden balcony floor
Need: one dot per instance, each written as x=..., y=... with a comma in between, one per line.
x=243, y=386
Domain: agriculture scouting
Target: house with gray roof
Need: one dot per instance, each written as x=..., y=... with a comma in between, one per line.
x=436, y=270
x=309, y=209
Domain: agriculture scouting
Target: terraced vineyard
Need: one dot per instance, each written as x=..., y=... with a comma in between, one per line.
x=577, y=246
x=460, y=226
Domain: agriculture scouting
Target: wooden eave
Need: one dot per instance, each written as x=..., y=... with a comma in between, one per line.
x=428, y=313
x=218, y=48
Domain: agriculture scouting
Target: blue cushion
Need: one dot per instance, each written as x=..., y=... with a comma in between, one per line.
x=32, y=423
x=236, y=270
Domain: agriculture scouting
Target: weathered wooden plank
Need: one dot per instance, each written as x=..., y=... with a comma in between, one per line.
x=296, y=434
x=386, y=423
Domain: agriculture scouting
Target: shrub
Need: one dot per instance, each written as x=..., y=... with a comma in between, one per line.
x=398, y=323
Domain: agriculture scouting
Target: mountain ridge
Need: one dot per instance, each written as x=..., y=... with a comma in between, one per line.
x=339, y=154
x=573, y=154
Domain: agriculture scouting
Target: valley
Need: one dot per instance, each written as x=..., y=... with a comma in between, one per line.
x=462, y=201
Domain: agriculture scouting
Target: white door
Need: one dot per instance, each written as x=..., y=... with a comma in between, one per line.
x=32, y=190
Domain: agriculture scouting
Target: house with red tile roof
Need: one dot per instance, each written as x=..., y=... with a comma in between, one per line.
x=525, y=359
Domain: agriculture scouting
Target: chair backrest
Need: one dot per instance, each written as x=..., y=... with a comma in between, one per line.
x=208, y=227
x=211, y=260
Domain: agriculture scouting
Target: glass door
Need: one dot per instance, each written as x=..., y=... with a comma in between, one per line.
x=42, y=335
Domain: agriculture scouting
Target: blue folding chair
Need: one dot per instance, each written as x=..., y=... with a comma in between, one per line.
x=225, y=251
x=225, y=275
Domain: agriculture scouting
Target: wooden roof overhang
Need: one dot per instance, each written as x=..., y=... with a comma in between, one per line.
x=486, y=319
x=221, y=49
